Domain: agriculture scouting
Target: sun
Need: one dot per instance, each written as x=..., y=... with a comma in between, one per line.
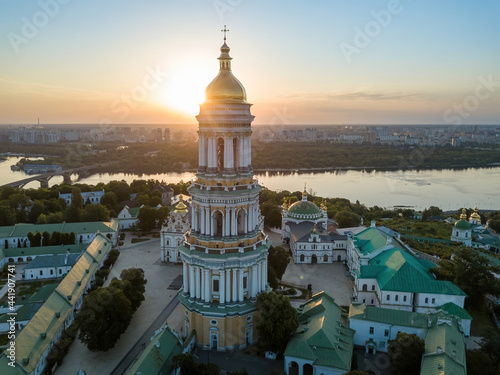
x=185, y=88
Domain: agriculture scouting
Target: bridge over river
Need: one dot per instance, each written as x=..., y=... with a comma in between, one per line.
x=45, y=177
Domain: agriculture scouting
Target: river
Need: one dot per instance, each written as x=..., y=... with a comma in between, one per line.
x=449, y=189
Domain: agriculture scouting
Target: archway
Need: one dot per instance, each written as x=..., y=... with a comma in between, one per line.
x=314, y=259
x=218, y=223
x=302, y=257
x=308, y=369
x=214, y=340
x=339, y=258
x=325, y=258
x=294, y=368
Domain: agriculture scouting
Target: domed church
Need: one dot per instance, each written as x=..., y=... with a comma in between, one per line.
x=462, y=231
x=312, y=240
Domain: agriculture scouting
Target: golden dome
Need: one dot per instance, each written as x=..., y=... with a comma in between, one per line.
x=225, y=87
x=475, y=215
x=181, y=207
x=463, y=216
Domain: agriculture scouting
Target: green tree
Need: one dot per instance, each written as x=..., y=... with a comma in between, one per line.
x=42, y=219
x=272, y=214
x=37, y=209
x=76, y=198
x=55, y=238
x=105, y=314
x=346, y=218
x=7, y=216
x=147, y=218
x=109, y=200
x=431, y=211
x=95, y=212
x=143, y=199
x=162, y=213
x=472, y=272
x=405, y=353
x=277, y=322
x=55, y=217
x=72, y=214
x=185, y=363
x=45, y=238
x=133, y=285
x=278, y=259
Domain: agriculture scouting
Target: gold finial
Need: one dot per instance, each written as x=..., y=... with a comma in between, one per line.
x=464, y=214
x=224, y=30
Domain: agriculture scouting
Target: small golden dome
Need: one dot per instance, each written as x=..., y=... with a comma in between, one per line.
x=475, y=215
x=225, y=87
x=181, y=207
x=463, y=216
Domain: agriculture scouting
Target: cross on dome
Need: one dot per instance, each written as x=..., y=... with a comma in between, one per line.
x=224, y=30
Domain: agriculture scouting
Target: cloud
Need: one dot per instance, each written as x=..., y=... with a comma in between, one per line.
x=357, y=96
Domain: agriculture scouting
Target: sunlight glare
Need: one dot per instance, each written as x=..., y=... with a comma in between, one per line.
x=185, y=89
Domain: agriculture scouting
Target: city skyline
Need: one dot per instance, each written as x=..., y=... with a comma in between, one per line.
x=386, y=62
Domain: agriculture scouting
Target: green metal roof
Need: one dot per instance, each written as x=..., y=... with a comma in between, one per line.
x=43, y=293
x=304, y=208
x=34, y=339
x=22, y=229
x=58, y=260
x=360, y=311
x=321, y=336
x=372, y=239
x=462, y=224
x=157, y=357
x=24, y=313
x=455, y=310
x=44, y=250
x=444, y=350
x=397, y=270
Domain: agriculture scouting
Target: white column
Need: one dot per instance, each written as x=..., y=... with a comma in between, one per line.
x=223, y=225
x=265, y=273
x=259, y=278
x=193, y=221
x=208, y=287
x=191, y=282
x=235, y=284
x=228, y=286
x=245, y=222
x=240, y=285
x=241, y=152
x=212, y=223
x=250, y=219
x=202, y=285
x=253, y=292
x=201, y=150
x=202, y=220
x=233, y=222
x=185, y=279
x=210, y=153
x=207, y=221
x=227, y=217
x=222, y=286
x=197, y=282
x=228, y=153
x=249, y=152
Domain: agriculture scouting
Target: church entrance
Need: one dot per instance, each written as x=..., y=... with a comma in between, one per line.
x=214, y=341
x=314, y=259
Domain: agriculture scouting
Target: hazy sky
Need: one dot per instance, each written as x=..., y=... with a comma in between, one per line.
x=301, y=62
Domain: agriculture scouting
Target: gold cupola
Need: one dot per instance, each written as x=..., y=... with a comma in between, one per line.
x=225, y=88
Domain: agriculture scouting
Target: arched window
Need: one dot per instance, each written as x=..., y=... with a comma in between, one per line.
x=325, y=258
x=301, y=257
x=365, y=287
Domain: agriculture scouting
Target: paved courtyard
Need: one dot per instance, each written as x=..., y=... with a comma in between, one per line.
x=145, y=255
x=332, y=278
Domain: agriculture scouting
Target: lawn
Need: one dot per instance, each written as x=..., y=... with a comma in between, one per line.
x=420, y=228
x=482, y=323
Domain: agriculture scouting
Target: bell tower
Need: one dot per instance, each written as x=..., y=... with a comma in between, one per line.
x=224, y=255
